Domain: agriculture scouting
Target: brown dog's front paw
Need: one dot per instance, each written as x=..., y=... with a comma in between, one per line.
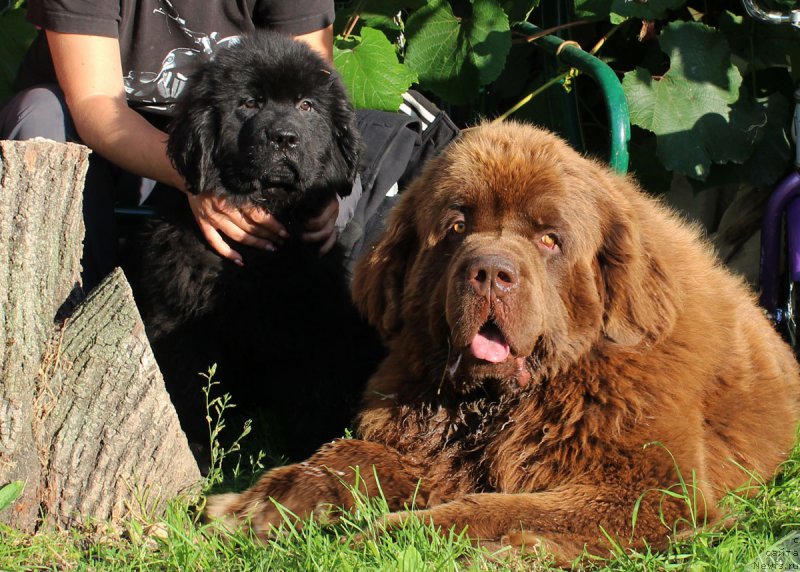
x=264, y=517
x=288, y=494
x=220, y=509
x=234, y=511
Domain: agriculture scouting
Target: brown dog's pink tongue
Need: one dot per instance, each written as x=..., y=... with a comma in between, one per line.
x=489, y=345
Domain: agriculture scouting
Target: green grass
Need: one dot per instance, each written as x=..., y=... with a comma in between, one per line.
x=179, y=540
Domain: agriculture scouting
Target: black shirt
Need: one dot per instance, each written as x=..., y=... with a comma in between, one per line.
x=162, y=40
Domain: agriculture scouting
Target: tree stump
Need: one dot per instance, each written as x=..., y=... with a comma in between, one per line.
x=85, y=419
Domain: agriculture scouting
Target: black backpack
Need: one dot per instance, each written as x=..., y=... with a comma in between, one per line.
x=396, y=146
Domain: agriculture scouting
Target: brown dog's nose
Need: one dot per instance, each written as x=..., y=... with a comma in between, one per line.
x=282, y=138
x=492, y=274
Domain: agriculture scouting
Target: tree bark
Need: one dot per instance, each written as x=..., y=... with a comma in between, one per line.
x=85, y=419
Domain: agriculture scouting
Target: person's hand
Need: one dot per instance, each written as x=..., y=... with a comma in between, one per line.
x=248, y=225
x=322, y=227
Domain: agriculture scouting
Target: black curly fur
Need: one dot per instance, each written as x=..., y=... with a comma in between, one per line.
x=282, y=328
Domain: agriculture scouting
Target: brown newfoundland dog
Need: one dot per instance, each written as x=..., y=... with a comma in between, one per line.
x=562, y=348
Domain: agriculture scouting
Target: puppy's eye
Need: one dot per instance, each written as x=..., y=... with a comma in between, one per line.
x=549, y=241
x=251, y=103
x=305, y=105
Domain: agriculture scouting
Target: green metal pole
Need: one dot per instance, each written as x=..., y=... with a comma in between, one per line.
x=616, y=104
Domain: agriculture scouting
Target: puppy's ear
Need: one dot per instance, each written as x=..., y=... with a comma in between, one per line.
x=640, y=294
x=380, y=274
x=345, y=130
x=193, y=133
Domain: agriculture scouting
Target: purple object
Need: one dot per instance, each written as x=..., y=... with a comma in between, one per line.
x=783, y=199
x=793, y=238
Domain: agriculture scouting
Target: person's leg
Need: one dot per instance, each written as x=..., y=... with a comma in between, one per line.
x=37, y=112
x=42, y=112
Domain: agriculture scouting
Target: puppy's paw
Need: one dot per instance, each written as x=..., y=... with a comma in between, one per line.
x=221, y=509
x=264, y=516
x=286, y=495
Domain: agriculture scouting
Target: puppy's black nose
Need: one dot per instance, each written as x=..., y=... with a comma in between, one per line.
x=282, y=138
x=492, y=274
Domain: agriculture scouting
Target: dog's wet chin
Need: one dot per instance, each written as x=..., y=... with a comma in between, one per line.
x=466, y=370
x=483, y=349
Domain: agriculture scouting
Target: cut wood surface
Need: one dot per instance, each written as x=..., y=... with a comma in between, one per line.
x=85, y=419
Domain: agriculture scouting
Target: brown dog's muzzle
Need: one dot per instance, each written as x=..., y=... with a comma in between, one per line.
x=492, y=275
x=491, y=307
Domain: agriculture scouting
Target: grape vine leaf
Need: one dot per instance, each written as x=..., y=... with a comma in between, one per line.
x=373, y=13
x=455, y=55
x=695, y=108
x=370, y=70
x=772, y=151
x=518, y=10
x=650, y=10
x=592, y=9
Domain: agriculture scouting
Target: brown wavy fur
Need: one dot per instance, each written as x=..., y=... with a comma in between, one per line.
x=626, y=333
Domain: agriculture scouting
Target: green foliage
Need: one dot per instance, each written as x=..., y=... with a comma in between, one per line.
x=15, y=37
x=718, y=105
x=652, y=10
x=692, y=109
x=708, y=87
x=451, y=49
x=372, y=74
x=10, y=492
x=218, y=410
x=456, y=54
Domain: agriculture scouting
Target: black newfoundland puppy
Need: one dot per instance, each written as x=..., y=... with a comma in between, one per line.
x=267, y=122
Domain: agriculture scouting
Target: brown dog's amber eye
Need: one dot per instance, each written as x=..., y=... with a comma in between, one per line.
x=459, y=227
x=549, y=240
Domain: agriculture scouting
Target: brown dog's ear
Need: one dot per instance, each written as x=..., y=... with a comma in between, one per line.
x=380, y=274
x=640, y=294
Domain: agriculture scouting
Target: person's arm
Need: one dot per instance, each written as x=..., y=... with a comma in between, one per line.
x=321, y=41
x=89, y=72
